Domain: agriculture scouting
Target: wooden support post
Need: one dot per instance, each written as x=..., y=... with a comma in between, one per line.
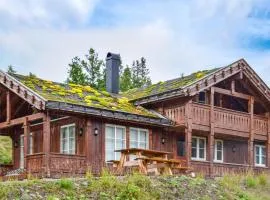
x=268, y=142
x=46, y=143
x=211, y=137
x=8, y=107
x=233, y=86
x=251, y=133
x=88, y=134
x=188, y=131
x=26, y=131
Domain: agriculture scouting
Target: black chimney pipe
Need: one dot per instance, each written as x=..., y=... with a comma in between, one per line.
x=112, y=72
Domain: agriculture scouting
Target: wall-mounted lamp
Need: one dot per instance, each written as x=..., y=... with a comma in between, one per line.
x=163, y=140
x=233, y=149
x=96, y=131
x=16, y=144
x=81, y=132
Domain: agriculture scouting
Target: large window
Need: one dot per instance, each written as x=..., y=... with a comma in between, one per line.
x=115, y=139
x=260, y=155
x=67, y=139
x=198, y=148
x=139, y=138
x=218, y=151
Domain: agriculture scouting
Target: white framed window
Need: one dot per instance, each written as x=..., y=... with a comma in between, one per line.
x=115, y=139
x=31, y=143
x=260, y=155
x=67, y=139
x=139, y=138
x=198, y=151
x=218, y=151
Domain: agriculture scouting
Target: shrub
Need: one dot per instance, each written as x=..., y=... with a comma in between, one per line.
x=251, y=181
x=130, y=192
x=262, y=179
x=65, y=184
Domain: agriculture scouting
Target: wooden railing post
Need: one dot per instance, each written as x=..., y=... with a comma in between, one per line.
x=46, y=143
x=211, y=138
x=251, y=133
x=8, y=107
x=26, y=131
x=188, y=131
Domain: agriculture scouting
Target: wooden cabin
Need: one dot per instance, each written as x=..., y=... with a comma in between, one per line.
x=217, y=120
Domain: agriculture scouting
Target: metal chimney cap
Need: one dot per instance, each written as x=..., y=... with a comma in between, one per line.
x=113, y=56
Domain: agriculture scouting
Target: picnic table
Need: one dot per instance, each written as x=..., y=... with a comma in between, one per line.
x=146, y=161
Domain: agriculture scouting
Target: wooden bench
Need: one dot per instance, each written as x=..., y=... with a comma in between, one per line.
x=114, y=162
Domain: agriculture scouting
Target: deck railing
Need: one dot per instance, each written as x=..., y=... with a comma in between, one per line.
x=232, y=120
x=176, y=114
x=67, y=163
x=35, y=162
x=224, y=118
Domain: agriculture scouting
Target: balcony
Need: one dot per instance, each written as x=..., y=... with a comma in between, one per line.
x=226, y=121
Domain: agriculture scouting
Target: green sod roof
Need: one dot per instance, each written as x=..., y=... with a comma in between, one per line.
x=167, y=86
x=81, y=95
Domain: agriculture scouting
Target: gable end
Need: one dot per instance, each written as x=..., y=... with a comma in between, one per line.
x=22, y=91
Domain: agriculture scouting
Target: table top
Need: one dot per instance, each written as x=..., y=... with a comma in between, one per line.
x=143, y=151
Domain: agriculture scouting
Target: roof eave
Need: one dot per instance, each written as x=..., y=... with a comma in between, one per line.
x=62, y=106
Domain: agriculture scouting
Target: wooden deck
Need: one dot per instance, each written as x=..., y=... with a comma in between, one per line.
x=226, y=121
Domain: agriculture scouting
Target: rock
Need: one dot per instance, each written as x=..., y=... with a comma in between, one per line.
x=26, y=196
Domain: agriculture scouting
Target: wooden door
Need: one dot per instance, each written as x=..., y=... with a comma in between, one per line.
x=180, y=150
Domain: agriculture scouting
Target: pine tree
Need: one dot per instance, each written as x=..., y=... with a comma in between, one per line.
x=94, y=68
x=11, y=70
x=126, y=80
x=75, y=72
x=140, y=73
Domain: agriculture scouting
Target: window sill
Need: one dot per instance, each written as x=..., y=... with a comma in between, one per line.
x=260, y=166
x=199, y=160
x=218, y=161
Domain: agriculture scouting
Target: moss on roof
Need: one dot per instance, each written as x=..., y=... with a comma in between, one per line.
x=80, y=95
x=162, y=87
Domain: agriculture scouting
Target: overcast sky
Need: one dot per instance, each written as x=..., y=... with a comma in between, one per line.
x=175, y=36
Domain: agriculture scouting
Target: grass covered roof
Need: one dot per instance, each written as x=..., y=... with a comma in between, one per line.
x=81, y=95
x=166, y=86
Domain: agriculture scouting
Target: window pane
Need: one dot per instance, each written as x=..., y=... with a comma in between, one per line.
x=257, y=159
x=117, y=155
x=133, y=144
x=263, y=151
x=219, y=145
x=64, y=133
x=120, y=144
x=143, y=136
x=263, y=160
x=142, y=145
x=201, y=152
x=109, y=132
x=72, y=131
x=109, y=155
x=257, y=150
x=64, y=145
x=201, y=143
x=219, y=155
x=194, y=142
x=194, y=153
x=133, y=135
x=120, y=133
x=110, y=144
